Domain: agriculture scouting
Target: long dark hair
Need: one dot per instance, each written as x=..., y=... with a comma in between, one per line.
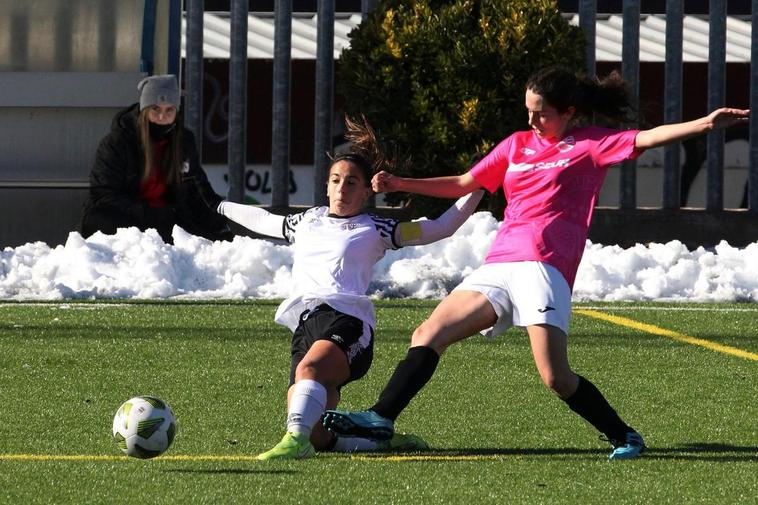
x=608, y=97
x=172, y=161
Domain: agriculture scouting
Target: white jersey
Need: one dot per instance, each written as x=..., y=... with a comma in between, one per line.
x=333, y=260
x=334, y=256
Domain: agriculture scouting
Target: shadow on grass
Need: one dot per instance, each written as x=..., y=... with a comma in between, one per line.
x=706, y=452
x=229, y=471
x=692, y=452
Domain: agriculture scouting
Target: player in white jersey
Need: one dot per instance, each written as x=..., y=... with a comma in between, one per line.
x=331, y=316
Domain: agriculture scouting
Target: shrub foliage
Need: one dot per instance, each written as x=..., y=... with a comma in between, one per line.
x=442, y=81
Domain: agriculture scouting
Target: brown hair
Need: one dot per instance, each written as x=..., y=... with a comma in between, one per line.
x=366, y=152
x=607, y=97
x=172, y=162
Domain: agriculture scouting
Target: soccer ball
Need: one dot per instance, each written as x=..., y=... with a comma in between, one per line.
x=144, y=427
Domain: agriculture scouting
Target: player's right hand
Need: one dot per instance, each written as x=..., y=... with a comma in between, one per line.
x=383, y=182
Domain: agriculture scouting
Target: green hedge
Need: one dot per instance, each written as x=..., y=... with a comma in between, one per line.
x=442, y=81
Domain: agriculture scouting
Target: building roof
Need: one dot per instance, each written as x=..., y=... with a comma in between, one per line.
x=260, y=35
x=608, y=35
x=260, y=39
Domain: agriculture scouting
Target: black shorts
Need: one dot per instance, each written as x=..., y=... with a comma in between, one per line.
x=349, y=333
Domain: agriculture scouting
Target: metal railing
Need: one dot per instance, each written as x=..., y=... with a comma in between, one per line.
x=587, y=20
x=673, y=96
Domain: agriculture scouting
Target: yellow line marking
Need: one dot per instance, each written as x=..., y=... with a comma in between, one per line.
x=462, y=457
x=97, y=457
x=188, y=457
x=655, y=330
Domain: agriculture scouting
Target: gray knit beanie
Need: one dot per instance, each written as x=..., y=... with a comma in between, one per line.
x=158, y=89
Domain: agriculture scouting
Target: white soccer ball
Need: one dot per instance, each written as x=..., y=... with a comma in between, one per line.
x=144, y=427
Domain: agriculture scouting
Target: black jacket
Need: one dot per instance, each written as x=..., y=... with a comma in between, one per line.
x=115, y=184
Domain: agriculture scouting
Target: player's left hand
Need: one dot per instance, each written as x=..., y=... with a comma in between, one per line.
x=726, y=117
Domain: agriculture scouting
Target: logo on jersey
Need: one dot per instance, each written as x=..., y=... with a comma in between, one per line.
x=566, y=144
x=546, y=309
x=542, y=165
x=527, y=151
x=349, y=226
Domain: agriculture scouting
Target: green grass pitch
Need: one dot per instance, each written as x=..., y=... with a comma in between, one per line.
x=498, y=435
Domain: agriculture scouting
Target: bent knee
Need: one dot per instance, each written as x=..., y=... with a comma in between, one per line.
x=306, y=369
x=428, y=334
x=435, y=336
x=563, y=385
x=329, y=377
x=311, y=370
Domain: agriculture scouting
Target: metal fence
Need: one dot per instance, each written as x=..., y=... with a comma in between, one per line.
x=673, y=93
x=587, y=20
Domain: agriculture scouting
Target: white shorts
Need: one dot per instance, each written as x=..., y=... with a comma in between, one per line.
x=523, y=293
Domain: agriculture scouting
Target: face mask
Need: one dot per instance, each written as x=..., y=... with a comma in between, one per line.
x=160, y=131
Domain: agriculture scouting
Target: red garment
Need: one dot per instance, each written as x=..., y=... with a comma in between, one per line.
x=153, y=189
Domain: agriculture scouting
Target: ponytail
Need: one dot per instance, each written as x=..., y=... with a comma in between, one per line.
x=366, y=152
x=608, y=97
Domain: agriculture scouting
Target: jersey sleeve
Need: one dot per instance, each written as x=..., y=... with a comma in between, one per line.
x=386, y=227
x=425, y=231
x=253, y=218
x=490, y=170
x=290, y=223
x=614, y=146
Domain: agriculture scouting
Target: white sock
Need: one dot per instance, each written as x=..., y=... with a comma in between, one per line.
x=307, y=404
x=350, y=444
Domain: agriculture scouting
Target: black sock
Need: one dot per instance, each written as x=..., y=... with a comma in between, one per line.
x=589, y=403
x=409, y=377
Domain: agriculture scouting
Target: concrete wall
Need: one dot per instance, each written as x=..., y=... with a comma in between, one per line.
x=66, y=67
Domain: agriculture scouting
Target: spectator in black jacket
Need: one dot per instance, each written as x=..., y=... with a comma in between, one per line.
x=147, y=171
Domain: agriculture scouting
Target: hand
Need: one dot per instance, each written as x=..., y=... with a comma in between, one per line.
x=725, y=117
x=384, y=182
x=155, y=217
x=225, y=234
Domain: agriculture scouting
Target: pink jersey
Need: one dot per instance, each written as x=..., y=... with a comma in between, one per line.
x=551, y=189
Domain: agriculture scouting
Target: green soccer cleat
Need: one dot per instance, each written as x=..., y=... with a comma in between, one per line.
x=292, y=446
x=403, y=442
x=631, y=447
x=363, y=424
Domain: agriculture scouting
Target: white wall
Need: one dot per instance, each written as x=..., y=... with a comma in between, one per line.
x=650, y=179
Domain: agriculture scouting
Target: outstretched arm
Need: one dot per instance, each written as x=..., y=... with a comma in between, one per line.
x=427, y=231
x=253, y=218
x=453, y=186
x=665, y=134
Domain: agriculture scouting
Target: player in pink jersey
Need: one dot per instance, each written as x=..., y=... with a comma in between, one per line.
x=551, y=175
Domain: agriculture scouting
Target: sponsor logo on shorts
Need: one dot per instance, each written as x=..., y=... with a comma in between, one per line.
x=353, y=351
x=338, y=339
